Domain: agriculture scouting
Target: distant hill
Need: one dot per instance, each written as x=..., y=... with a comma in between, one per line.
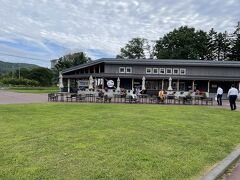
x=6, y=67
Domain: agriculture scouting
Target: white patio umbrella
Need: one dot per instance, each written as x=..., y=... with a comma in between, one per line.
x=90, y=84
x=143, y=83
x=60, y=81
x=118, y=84
x=170, y=85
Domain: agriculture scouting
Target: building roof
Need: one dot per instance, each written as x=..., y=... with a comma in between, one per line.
x=160, y=62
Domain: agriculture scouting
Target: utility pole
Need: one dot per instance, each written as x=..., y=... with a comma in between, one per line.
x=19, y=72
x=12, y=71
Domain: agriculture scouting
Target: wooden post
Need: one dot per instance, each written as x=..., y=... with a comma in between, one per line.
x=193, y=85
x=178, y=85
x=132, y=83
x=68, y=85
x=208, y=90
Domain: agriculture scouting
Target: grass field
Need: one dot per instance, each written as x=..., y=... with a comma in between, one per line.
x=113, y=141
x=34, y=89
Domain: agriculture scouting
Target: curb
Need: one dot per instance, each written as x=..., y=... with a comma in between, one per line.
x=222, y=166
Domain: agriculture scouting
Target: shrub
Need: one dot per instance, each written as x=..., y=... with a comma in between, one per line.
x=21, y=81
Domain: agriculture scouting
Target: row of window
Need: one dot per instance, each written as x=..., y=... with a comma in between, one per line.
x=168, y=71
x=125, y=70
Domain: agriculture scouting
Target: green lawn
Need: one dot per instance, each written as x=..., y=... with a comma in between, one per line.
x=34, y=89
x=113, y=141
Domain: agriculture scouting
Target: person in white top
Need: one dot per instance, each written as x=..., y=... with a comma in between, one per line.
x=232, y=95
x=219, y=95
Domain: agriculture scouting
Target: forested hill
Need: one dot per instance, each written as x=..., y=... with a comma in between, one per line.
x=6, y=67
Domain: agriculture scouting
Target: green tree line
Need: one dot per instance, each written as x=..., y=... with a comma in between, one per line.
x=186, y=43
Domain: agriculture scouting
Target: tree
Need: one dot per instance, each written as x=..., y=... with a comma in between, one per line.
x=218, y=45
x=71, y=60
x=24, y=73
x=200, y=45
x=182, y=43
x=42, y=75
x=226, y=46
x=211, y=45
x=235, y=50
x=134, y=49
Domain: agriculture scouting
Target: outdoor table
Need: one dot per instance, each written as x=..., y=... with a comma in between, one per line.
x=170, y=98
x=187, y=100
x=153, y=99
x=143, y=98
x=181, y=98
x=197, y=98
x=117, y=98
x=90, y=97
x=62, y=95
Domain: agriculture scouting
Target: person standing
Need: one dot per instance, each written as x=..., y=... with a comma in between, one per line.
x=219, y=95
x=232, y=95
x=161, y=96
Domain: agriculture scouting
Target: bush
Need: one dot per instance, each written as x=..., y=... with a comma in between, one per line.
x=21, y=81
x=42, y=75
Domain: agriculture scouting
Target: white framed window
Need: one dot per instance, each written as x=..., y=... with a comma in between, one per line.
x=121, y=69
x=155, y=70
x=148, y=70
x=182, y=71
x=161, y=70
x=128, y=69
x=168, y=70
x=175, y=71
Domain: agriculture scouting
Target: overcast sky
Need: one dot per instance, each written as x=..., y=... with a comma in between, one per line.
x=48, y=29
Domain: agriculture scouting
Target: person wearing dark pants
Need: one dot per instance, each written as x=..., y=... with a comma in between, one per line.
x=219, y=95
x=232, y=95
x=232, y=101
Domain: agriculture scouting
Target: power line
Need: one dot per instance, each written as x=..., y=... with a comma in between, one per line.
x=12, y=55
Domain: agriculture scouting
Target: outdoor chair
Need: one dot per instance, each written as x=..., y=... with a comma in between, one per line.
x=90, y=97
x=153, y=99
x=198, y=100
x=143, y=98
x=128, y=99
x=207, y=100
x=177, y=100
x=71, y=97
x=170, y=99
x=52, y=97
x=99, y=99
x=187, y=100
x=134, y=100
x=107, y=99
x=117, y=98
x=81, y=98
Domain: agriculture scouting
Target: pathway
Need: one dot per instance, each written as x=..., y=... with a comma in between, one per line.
x=7, y=97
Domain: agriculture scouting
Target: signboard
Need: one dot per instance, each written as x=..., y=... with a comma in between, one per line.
x=110, y=83
x=83, y=83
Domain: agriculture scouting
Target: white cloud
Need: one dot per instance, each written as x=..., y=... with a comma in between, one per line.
x=106, y=25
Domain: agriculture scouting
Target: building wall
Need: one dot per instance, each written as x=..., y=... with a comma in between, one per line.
x=191, y=71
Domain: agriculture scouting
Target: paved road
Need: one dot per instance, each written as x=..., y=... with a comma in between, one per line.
x=225, y=104
x=235, y=175
x=7, y=97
